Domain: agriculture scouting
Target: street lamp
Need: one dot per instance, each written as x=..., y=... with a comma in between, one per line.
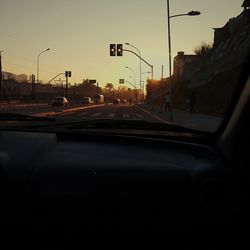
x=191, y=13
x=55, y=77
x=37, y=76
x=128, y=44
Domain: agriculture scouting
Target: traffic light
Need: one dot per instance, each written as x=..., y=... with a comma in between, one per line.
x=119, y=49
x=67, y=73
x=121, y=81
x=112, y=50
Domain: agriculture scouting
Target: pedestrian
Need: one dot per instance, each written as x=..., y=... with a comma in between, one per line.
x=168, y=104
x=192, y=102
x=130, y=101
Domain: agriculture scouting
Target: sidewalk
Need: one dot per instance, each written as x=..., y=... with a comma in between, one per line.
x=195, y=121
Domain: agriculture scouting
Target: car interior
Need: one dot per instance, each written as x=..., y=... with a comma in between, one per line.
x=68, y=183
x=78, y=169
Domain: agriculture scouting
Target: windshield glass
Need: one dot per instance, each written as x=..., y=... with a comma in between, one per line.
x=159, y=61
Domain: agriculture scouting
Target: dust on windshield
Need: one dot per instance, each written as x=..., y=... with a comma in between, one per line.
x=165, y=61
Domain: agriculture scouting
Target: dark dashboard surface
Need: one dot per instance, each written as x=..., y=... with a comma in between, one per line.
x=110, y=183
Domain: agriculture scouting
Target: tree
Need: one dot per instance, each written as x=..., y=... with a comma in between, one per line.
x=109, y=86
x=203, y=49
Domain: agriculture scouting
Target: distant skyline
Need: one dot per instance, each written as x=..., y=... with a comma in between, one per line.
x=79, y=32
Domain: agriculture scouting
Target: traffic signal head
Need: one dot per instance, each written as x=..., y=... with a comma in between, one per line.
x=119, y=49
x=67, y=73
x=112, y=50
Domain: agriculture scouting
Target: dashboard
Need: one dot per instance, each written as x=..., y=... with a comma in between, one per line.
x=61, y=182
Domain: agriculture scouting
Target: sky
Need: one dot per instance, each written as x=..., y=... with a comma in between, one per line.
x=78, y=33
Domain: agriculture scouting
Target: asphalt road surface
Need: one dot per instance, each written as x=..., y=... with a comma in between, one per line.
x=122, y=111
x=106, y=111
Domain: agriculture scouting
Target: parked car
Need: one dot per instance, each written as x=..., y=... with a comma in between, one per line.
x=87, y=100
x=124, y=101
x=116, y=101
x=59, y=101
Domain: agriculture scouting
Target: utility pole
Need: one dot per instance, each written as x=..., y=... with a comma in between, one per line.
x=67, y=75
x=67, y=86
x=1, y=78
x=33, y=82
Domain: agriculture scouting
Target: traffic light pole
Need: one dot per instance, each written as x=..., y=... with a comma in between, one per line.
x=151, y=66
x=67, y=86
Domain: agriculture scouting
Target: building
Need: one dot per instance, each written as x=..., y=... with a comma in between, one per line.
x=233, y=26
x=22, y=78
x=246, y=5
x=8, y=76
x=185, y=66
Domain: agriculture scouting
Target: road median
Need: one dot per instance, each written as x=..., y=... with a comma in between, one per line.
x=58, y=111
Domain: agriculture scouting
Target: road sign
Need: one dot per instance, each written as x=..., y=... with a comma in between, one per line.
x=121, y=81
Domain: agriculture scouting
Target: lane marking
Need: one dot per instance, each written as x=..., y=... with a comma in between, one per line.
x=154, y=116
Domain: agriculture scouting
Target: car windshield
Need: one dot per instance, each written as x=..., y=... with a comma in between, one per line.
x=160, y=61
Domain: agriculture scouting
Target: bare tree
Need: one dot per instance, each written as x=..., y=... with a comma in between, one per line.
x=203, y=49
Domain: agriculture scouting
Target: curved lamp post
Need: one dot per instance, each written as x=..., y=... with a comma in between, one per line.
x=191, y=13
x=37, y=76
x=139, y=55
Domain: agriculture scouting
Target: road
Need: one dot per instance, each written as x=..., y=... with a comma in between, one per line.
x=123, y=111
x=106, y=111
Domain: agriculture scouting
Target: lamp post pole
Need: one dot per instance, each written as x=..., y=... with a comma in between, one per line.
x=134, y=79
x=37, y=76
x=140, y=60
x=191, y=13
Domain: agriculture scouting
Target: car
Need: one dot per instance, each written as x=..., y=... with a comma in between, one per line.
x=116, y=101
x=59, y=102
x=87, y=100
x=123, y=101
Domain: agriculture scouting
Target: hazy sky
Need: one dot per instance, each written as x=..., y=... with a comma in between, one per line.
x=79, y=33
